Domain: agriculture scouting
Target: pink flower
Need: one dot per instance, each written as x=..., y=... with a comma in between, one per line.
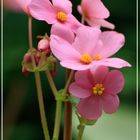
x=97, y=91
x=94, y=13
x=58, y=12
x=63, y=32
x=90, y=48
x=24, y=5
x=11, y=5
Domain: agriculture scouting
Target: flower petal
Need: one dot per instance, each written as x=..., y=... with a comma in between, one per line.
x=79, y=8
x=112, y=42
x=63, y=32
x=63, y=49
x=84, y=79
x=75, y=65
x=100, y=22
x=100, y=73
x=63, y=5
x=86, y=39
x=90, y=108
x=110, y=103
x=24, y=5
x=43, y=11
x=73, y=23
x=78, y=91
x=113, y=62
x=114, y=82
x=95, y=9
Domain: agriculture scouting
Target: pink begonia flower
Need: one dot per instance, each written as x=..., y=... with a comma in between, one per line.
x=97, y=91
x=63, y=32
x=94, y=13
x=11, y=5
x=90, y=48
x=59, y=12
x=24, y=5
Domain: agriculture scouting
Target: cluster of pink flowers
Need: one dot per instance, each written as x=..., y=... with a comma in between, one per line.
x=85, y=49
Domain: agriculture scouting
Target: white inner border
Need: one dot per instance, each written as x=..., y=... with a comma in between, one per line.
x=1, y=69
x=137, y=70
x=2, y=46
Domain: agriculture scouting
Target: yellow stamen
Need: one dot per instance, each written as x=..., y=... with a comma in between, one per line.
x=97, y=57
x=98, y=89
x=86, y=59
x=61, y=16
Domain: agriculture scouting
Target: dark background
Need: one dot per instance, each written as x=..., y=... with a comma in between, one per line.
x=21, y=112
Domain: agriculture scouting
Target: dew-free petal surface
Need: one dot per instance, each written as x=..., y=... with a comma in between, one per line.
x=90, y=108
x=114, y=82
x=78, y=91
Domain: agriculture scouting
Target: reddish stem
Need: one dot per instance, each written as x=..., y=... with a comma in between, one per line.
x=68, y=116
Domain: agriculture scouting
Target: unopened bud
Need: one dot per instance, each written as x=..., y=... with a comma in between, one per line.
x=25, y=71
x=27, y=57
x=37, y=58
x=43, y=45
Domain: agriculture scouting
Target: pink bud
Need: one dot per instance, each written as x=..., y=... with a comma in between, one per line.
x=43, y=45
x=37, y=58
x=25, y=71
x=27, y=57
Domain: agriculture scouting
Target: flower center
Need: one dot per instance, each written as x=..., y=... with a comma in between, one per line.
x=97, y=57
x=86, y=59
x=61, y=16
x=98, y=89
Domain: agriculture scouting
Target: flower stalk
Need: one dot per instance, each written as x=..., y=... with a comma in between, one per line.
x=68, y=106
x=41, y=106
x=83, y=19
x=81, y=131
x=51, y=82
x=38, y=85
x=57, y=120
x=68, y=109
x=68, y=82
x=59, y=107
x=30, y=32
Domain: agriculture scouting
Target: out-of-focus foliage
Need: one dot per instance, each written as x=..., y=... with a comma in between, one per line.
x=22, y=119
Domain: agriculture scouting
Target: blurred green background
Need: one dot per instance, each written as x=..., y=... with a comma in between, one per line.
x=21, y=112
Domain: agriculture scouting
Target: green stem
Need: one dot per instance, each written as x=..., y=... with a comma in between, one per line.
x=38, y=85
x=68, y=82
x=31, y=39
x=83, y=19
x=59, y=103
x=57, y=120
x=81, y=131
x=51, y=82
x=41, y=106
x=30, y=32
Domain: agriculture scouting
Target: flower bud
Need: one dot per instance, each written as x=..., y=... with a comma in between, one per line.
x=27, y=58
x=25, y=71
x=37, y=58
x=44, y=45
